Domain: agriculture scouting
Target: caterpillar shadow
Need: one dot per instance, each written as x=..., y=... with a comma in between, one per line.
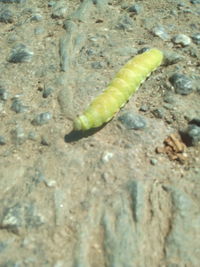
x=74, y=136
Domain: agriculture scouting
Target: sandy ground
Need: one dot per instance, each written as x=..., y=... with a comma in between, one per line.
x=114, y=196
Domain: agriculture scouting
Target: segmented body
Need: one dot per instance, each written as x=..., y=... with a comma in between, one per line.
x=118, y=92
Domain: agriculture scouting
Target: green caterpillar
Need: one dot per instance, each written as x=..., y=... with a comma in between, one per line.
x=121, y=88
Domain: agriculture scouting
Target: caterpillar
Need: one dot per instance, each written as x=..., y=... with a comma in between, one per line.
x=126, y=82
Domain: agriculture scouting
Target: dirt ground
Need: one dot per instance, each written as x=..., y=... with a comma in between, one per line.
x=115, y=196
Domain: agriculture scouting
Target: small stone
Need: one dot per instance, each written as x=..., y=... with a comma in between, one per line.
x=196, y=38
x=13, y=1
x=2, y=140
x=42, y=118
x=144, y=108
x=160, y=32
x=98, y=65
x=136, y=9
x=153, y=161
x=51, y=3
x=6, y=16
x=183, y=85
x=195, y=2
x=18, y=107
x=20, y=53
x=125, y=23
x=12, y=219
x=159, y=113
x=181, y=39
x=3, y=94
x=193, y=132
x=59, y=11
x=171, y=58
x=47, y=92
x=45, y=141
x=39, y=30
x=133, y=121
x=18, y=136
x=32, y=136
x=107, y=156
x=37, y=17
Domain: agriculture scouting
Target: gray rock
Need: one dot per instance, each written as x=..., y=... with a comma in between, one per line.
x=32, y=136
x=161, y=32
x=60, y=10
x=193, y=132
x=2, y=140
x=183, y=85
x=6, y=16
x=21, y=216
x=47, y=92
x=196, y=38
x=181, y=39
x=133, y=121
x=39, y=30
x=13, y=1
x=20, y=53
x=42, y=118
x=12, y=219
x=18, y=136
x=144, y=108
x=37, y=17
x=171, y=57
x=135, y=9
x=125, y=23
x=98, y=65
x=195, y=2
x=18, y=107
x=159, y=113
x=45, y=141
x=3, y=93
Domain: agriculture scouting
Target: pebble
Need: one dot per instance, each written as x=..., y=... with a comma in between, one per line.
x=42, y=118
x=18, y=136
x=97, y=65
x=159, y=113
x=13, y=1
x=60, y=11
x=183, y=85
x=37, y=17
x=153, y=161
x=32, y=136
x=195, y=2
x=161, y=32
x=135, y=9
x=144, y=108
x=125, y=23
x=3, y=94
x=193, y=134
x=39, y=30
x=181, y=39
x=133, y=121
x=45, y=141
x=47, y=92
x=18, y=107
x=6, y=16
x=2, y=140
x=196, y=38
x=171, y=57
x=20, y=53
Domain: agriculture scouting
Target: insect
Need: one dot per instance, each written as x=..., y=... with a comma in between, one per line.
x=126, y=82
